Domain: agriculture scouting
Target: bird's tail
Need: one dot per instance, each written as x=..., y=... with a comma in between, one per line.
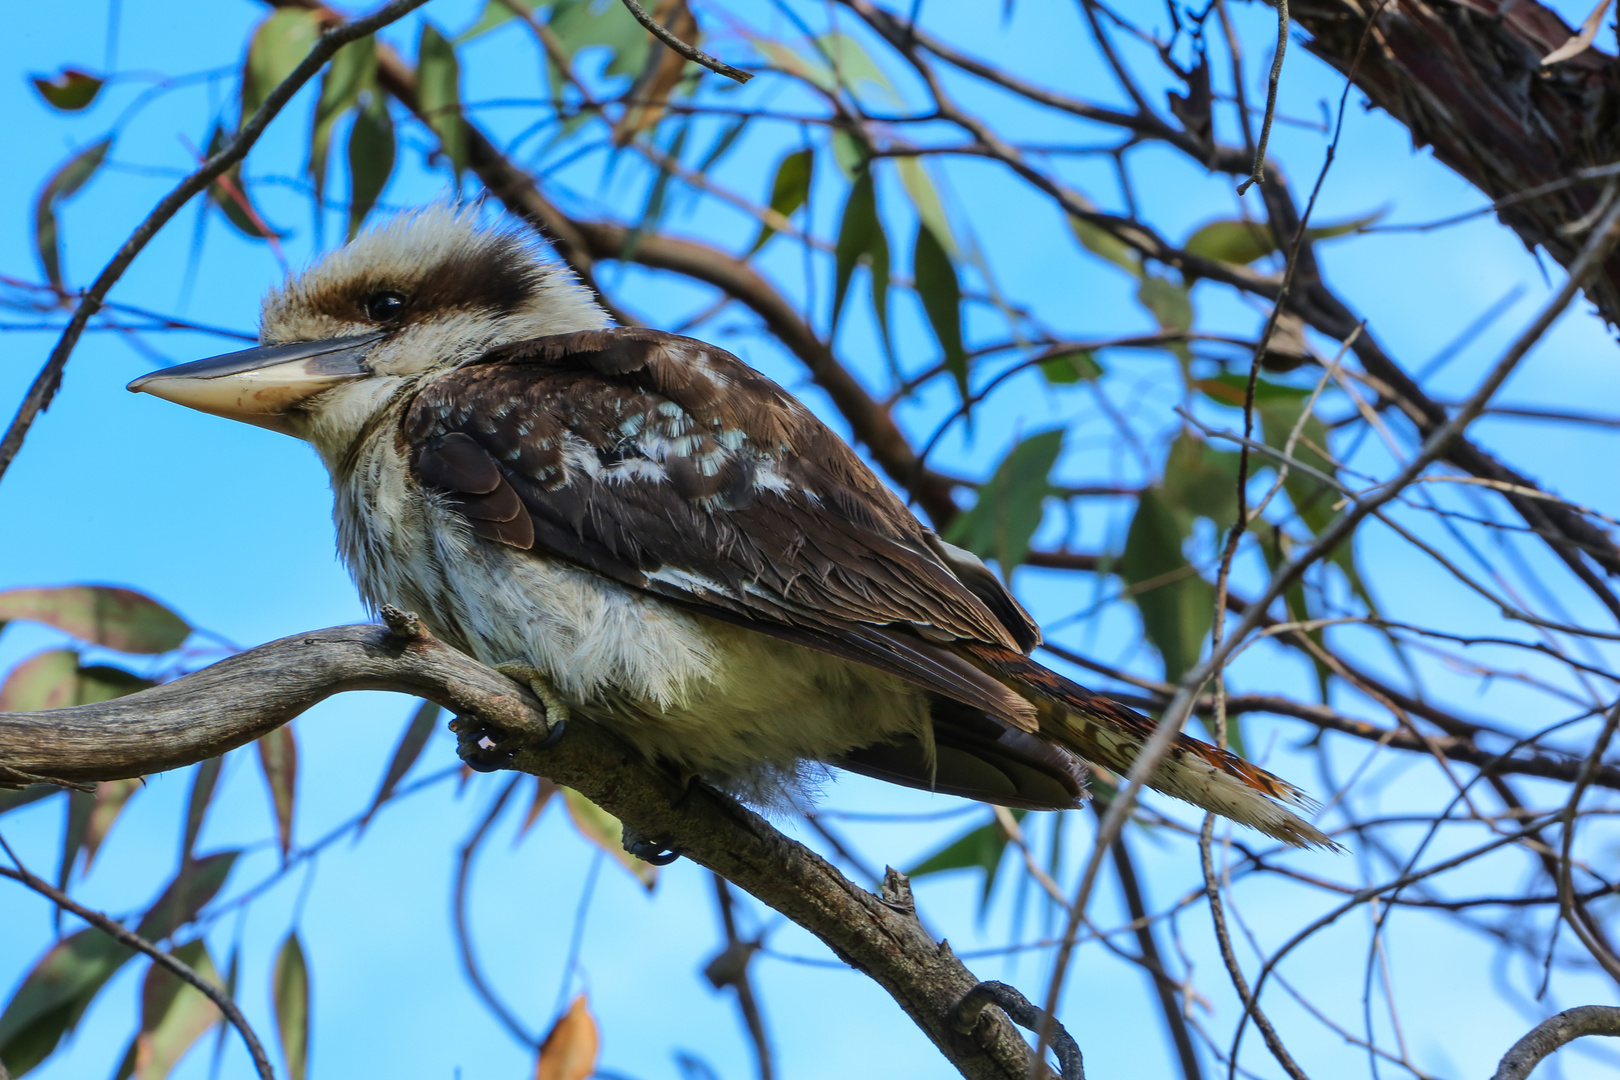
x=1106, y=733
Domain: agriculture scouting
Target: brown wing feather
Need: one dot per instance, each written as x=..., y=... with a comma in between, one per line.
x=671, y=466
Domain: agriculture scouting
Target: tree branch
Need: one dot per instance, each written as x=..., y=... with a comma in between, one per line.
x=241, y=698
x=1549, y=1035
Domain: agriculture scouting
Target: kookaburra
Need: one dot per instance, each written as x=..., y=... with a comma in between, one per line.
x=667, y=542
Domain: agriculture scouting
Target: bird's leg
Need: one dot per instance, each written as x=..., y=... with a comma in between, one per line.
x=536, y=680
x=485, y=753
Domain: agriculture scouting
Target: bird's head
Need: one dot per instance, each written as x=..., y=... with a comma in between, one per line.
x=427, y=291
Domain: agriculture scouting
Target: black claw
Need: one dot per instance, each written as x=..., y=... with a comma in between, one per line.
x=1021, y=1012
x=552, y=736
x=480, y=752
x=649, y=852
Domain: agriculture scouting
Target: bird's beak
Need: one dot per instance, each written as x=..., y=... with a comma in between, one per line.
x=260, y=386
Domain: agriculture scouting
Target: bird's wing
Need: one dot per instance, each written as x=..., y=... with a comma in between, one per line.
x=669, y=465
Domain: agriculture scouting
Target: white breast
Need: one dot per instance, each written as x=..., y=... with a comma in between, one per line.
x=737, y=707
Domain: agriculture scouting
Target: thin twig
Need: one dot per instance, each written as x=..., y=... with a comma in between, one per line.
x=44, y=386
x=116, y=930
x=1258, y=171
x=697, y=56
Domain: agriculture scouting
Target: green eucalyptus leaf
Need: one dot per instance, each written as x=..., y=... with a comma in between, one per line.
x=1099, y=241
x=438, y=87
x=68, y=178
x=411, y=744
x=925, y=200
x=941, y=295
x=353, y=70
x=277, y=47
x=861, y=240
x=278, y=756
x=789, y=190
x=980, y=848
x=69, y=89
x=290, y=994
x=1071, y=366
x=1176, y=604
x=54, y=679
x=1011, y=503
x=371, y=160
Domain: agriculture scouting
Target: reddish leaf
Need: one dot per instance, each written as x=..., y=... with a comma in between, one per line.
x=604, y=830
x=54, y=680
x=571, y=1047
x=69, y=89
x=110, y=797
x=174, y=1015
x=543, y=791
x=278, y=753
x=105, y=615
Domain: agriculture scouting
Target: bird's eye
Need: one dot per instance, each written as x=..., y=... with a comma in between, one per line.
x=385, y=306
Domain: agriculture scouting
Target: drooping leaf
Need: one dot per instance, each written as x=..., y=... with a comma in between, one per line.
x=203, y=784
x=544, y=789
x=80, y=804
x=68, y=178
x=723, y=145
x=1011, y=503
x=54, y=995
x=277, y=47
x=231, y=196
x=496, y=13
x=583, y=24
x=290, y=993
x=941, y=296
x=352, y=71
x=416, y=735
x=853, y=68
x=1200, y=481
x=197, y=883
x=1071, y=366
x=174, y=1015
x=1279, y=408
x=1099, y=241
x=278, y=754
x=70, y=89
x=981, y=848
x=1167, y=301
x=55, y=680
x=114, y=618
x=371, y=160
x=606, y=832
x=1175, y=603
x=658, y=195
x=58, y=990
x=925, y=200
x=662, y=74
x=571, y=1047
x=438, y=85
x=789, y=190
x=851, y=152
x=861, y=240
x=109, y=801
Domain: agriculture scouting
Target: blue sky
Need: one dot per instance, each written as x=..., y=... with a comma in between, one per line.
x=230, y=525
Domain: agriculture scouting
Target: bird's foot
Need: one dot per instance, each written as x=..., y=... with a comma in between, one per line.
x=649, y=851
x=537, y=681
x=1021, y=1012
x=487, y=749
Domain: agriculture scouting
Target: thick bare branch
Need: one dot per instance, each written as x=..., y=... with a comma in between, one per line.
x=241, y=698
x=1549, y=1035
x=1467, y=79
